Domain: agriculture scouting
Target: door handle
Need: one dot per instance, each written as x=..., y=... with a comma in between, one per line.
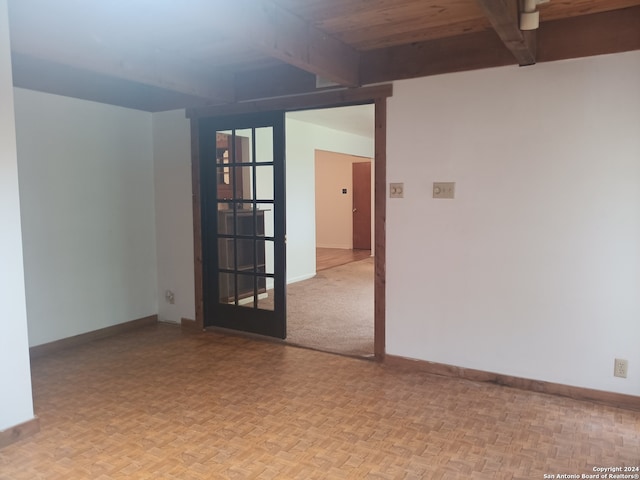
x=355, y=210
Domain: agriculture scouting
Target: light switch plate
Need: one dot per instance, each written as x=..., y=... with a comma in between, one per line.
x=396, y=190
x=444, y=189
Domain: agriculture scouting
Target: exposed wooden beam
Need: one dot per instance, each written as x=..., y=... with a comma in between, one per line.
x=453, y=54
x=273, y=82
x=596, y=34
x=334, y=98
x=276, y=32
x=504, y=17
x=43, y=76
x=140, y=65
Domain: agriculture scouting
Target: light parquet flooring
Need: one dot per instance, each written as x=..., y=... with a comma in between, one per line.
x=160, y=404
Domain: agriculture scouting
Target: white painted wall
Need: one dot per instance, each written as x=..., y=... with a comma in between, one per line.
x=303, y=139
x=87, y=198
x=534, y=269
x=16, y=405
x=334, y=209
x=334, y=200
x=174, y=214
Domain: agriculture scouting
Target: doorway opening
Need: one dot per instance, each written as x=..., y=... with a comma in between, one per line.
x=330, y=307
x=297, y=250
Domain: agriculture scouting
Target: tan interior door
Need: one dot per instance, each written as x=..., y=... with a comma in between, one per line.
x=361, y=189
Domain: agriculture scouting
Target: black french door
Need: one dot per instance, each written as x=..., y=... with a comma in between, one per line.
x=242, y=175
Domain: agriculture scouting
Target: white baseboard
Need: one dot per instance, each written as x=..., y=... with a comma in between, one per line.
x=300, y=278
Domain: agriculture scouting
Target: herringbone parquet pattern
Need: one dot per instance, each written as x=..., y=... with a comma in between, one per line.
x=159, y=404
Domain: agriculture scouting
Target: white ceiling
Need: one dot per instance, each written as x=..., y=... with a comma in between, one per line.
x=358, y=120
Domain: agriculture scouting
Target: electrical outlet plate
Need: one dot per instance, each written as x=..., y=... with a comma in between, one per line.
x=396, y=190
x=444, y=189
x=620, y=367
x=169, y=297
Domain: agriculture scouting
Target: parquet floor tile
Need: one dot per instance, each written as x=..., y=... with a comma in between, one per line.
x=161, y=404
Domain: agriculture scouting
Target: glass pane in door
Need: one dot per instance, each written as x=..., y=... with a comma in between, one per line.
x=264, y=144
x=245, y=217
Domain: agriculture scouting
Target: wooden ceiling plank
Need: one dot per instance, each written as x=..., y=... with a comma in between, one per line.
x=503, y=15
x=276, y=32
x=369, y=39
x=371, y=24
x=427, y=13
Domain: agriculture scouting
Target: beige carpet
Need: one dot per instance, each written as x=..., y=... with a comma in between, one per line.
x=333, y=311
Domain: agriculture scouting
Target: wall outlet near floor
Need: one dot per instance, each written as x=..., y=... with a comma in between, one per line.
x=169, y=297
x=620, y=367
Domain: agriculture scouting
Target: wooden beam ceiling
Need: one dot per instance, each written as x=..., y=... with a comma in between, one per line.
x=586, y=35
x=43, y=76
x=271, y=82
x=504, y=17
x=276, y=32
x=145, y=66
x=596, y=34
x=258, y=24
x=434, y=57
x=328, y=99
x=128, y=60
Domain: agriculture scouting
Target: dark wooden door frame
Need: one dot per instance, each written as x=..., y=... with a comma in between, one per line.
x=359, y=96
